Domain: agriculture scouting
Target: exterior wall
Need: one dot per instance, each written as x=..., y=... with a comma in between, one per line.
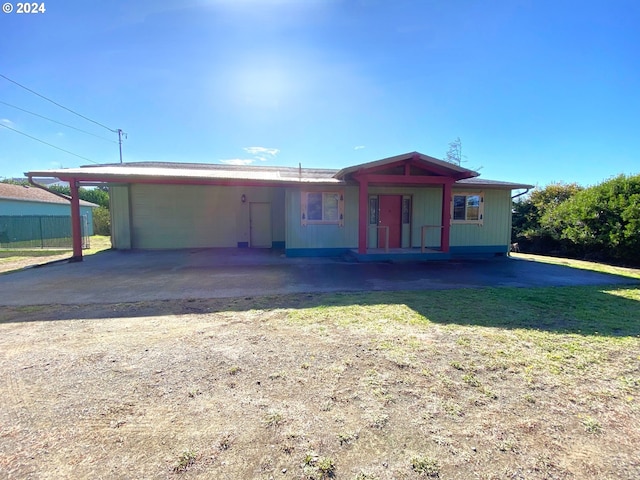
x=426, y=209
x=189, y=216
x=193, y=216
x=27, y=208
x=120, y=217
x=496, y=228
x=327, y=238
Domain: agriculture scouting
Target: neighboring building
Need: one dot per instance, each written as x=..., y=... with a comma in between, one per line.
x=411, y=205
x=47, y=182
x=26, y=202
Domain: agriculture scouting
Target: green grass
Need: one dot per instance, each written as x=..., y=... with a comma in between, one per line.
x=475, y=383
x=541, y=333
x=581, y=264
x=11, y=254
x=98, y=243
x=584, y=310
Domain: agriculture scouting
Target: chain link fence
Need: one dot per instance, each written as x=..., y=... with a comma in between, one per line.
x=35, y=231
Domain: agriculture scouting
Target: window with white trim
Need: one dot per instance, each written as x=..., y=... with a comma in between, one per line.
x=322, y=208
x=467, y=208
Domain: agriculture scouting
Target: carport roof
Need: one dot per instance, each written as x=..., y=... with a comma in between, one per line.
x=162, y=172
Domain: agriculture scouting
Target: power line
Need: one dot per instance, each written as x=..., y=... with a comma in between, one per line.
x=56, y=103
x=55, y=121
x=42, y=141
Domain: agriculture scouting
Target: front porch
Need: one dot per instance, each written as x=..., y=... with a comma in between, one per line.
x=399, y=255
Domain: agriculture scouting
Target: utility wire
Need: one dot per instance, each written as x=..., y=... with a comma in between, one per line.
x=56, y=103
x=59, y=123
x=42, y=141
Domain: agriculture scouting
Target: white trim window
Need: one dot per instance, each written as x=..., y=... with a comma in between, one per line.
x=323, y=208
x=467, y=207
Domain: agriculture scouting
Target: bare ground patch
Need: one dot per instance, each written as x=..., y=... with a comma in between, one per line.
x=287, y=388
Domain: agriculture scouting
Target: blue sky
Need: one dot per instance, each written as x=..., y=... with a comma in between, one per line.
x=537, y=91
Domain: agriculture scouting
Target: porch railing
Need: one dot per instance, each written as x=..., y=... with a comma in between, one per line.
x=386, y=236
x=423, y=235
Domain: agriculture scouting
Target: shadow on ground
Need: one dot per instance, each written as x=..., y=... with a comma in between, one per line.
x=585, y=310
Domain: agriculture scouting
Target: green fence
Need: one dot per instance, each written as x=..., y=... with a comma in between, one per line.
x=34, y=231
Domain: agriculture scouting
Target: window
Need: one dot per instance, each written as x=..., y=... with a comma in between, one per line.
x=406, y=210
x=468, y=208
x=373, y=210
x=323, y=208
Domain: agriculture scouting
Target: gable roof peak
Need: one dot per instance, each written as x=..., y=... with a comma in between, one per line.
x=420, y=159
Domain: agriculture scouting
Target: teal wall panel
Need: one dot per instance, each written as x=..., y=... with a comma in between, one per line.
x=27, y=208
x=321, y=236
x=496, y=227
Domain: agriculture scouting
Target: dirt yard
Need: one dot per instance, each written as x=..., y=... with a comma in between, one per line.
x=284, y=388
x=12, y=264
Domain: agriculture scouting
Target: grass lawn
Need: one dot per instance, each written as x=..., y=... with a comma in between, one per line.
x=15, y=259
x=581, y=264
x=459, y=384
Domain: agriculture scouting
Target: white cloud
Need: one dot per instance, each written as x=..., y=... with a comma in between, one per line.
x=260, y=152
x=238, y=161
x=359, y=147
x=7, y=122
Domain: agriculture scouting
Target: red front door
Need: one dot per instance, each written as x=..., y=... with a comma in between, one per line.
x=390, y=215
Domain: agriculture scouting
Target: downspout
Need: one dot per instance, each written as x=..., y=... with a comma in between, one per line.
x=74, y=200
x=520, y=194
x=42, y=187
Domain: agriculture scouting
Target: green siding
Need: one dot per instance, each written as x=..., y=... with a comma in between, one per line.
x=120, y=217
x=322, y=236
x=197, y=216
x=187, y=216
x=496, y=228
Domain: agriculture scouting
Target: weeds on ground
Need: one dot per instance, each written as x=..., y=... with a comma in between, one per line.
x=185, y=460
x=425, y=465
x=316, y=467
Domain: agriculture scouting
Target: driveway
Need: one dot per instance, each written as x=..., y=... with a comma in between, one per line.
x=131, y=276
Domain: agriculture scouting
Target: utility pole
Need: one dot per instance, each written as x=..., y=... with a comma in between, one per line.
x=120, y=133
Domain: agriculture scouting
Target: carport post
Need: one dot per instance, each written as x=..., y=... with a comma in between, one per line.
x=363, y=208
x=446, y=217
x=76, y=230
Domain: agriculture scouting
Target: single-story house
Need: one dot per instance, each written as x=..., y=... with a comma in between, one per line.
x=412, y=205
x=28, y=202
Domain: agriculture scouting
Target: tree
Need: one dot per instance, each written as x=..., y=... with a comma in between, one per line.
x=11, y=181
x=603, y=221
x=533, y=225
x=454, y=154
x=101, y=221
x=93, y=195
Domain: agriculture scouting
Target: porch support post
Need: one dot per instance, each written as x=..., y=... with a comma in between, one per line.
x=76, y=230
x=363, y=202
x=446, y=217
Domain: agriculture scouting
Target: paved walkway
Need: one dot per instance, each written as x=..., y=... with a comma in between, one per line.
x=131, y=276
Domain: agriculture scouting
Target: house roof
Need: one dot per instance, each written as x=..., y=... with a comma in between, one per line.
x=202, y=173
x=425, y=161
x=28, y=193
x=479, y=182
